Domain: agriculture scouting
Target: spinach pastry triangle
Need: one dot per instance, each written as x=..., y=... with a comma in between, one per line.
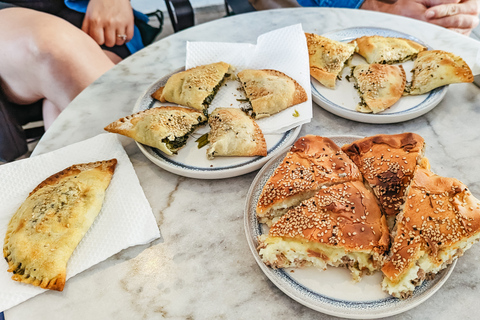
x=195, y=87
x=48, y=226
x=164, y=128
x=270, y=91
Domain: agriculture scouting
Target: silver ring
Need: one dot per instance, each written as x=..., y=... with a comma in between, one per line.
x=122, y=36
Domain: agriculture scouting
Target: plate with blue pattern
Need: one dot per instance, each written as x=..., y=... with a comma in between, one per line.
x=343, y=100
x=192, y=162
x=331, y=291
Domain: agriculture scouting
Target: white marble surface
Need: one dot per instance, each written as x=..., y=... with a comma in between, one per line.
x=203, y=268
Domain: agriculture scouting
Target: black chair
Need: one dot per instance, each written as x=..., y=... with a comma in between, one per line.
x=233, y=7
x=180, y=13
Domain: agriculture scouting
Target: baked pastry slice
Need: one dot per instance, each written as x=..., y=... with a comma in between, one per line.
x=389, y=50
x=341, y=225
x=380, y=86
x=195, y=87
x=312, y=162
x=387, y=163
x=164, y=128
x=46, y=229
x=436, y=68
x=233, y=133
x=439, y=222
x=328, y=58
x=270, y=91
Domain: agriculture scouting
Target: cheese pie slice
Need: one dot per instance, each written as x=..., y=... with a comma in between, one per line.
x=328, y=58
x=311, y=163
x=234, y=133
x=380, y=86
x=270, y=91
x=341, y=225
x=436, y=68
x=379, y=49
x=164, y=128
x=48, y=226
x=439, y=222
x=195, y=87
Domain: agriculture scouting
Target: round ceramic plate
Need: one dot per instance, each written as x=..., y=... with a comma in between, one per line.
x=331, y=291
x=192, y=162
x=343, y=100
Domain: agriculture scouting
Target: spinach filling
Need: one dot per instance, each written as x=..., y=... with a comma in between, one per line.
x=210, y=97
x=178, y=142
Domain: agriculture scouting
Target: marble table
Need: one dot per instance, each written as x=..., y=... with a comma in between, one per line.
x=202, y=268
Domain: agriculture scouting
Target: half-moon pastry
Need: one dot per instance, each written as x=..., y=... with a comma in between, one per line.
x=328, y=58
x=379, y=49
x=341, y=225
x=436, y=68
x=439, y=222
x=195, y=87
x=164, y=128
x=233, y=133
x=380, y=86
x=312, y=162
x=48, y=226
x=270, y=91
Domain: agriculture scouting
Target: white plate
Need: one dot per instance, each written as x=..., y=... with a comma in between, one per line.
x=343, y=100
x=331, y=291
x=192, y=162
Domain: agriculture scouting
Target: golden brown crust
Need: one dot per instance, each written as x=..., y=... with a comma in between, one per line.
x=157, y=95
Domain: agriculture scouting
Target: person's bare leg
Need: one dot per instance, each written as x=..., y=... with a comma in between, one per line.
x=45, y=57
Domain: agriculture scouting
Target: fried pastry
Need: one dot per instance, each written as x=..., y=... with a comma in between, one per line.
x=380, y=86
x=439, y=222
x=233, y=133
x=387, y=50
x=328, y=58
x=312, y=162
x=341, y=225
x=270, y=91
x=48, y=226
x=164, y=128
x=436, y=68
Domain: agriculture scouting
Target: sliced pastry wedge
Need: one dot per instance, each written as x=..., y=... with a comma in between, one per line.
x=436, y=68
x=194, y=87
x=312, y=162
x=270, y=91
x=387, y=163
x=341, y=225
x=46, y=229
x=328, y=58
x=233, y=133
x=164, y=128
x=380, y=86
x=439, y=222
x=388, y=50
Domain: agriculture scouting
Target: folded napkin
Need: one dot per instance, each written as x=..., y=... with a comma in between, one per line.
x=283, y=49
x=126, y=218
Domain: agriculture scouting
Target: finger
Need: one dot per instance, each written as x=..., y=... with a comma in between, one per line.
x=130, y=31
x=85, y=25
x=459, y=21
x=97, y=34
x=433, y=3
x=452, y=9
x=121, y=37
x=110, y=36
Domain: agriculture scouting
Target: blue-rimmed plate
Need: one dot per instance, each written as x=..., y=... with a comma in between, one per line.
x=331, y=291
x=343, y=100
x=192, y=162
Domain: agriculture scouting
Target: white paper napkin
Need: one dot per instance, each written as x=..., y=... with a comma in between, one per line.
x=283, y=49
x=126, y=218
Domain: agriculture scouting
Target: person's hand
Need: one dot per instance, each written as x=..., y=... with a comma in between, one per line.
x=109, y=22
x=461, y=17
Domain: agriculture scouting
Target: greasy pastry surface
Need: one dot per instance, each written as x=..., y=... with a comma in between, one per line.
x=270, y=91
x=164, y=128
x=378, y=49
x=342, y=225
x=48, y=226
x=194, y=87
x=327, y=58
x=436, y=68
x=380, y=86
x=387, y=163
x=440, y=220
x=311, y=163
x=233, y=133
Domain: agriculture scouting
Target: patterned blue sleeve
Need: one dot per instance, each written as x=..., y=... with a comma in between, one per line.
x=353, y=4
